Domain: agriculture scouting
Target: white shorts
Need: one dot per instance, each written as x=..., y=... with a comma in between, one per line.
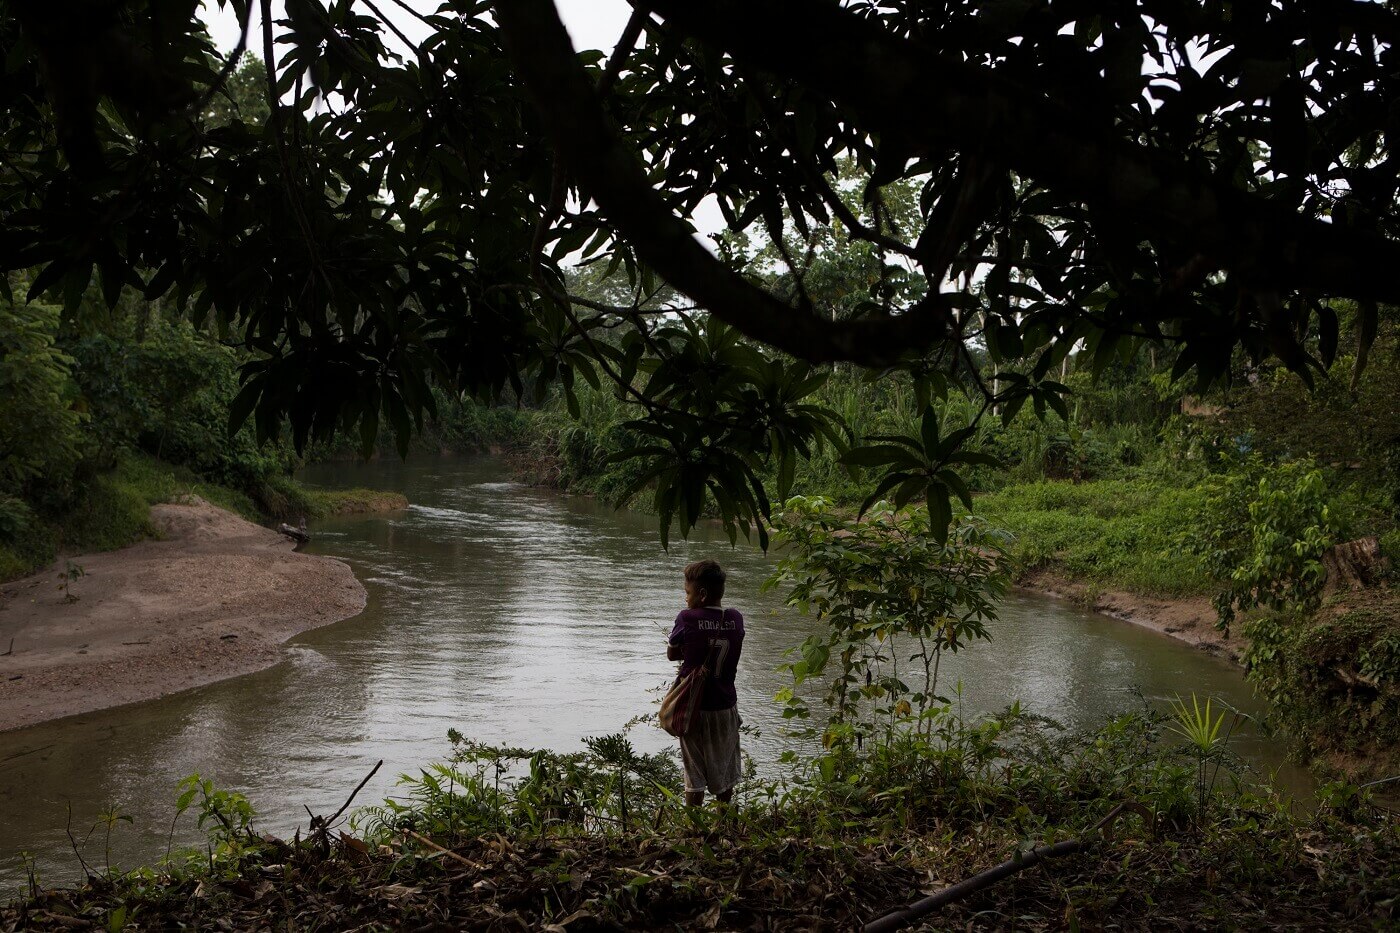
x=710, y=751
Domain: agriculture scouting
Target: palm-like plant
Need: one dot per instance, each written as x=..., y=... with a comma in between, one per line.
x=922, y=465
x=1201, y=729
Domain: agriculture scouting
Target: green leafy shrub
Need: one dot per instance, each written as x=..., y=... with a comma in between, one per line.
x=1261, y=532
x=891, y=595
x=490, y=788
x=41, y=442
x=1333, y=680
x=468, y=425
x=112, y=512
x=113, y=415
x=1390, y=545
x=168, y=394
x=1349, y=425
x=15, y=517
x=227, y=817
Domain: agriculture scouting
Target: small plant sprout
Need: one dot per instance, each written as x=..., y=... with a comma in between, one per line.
x=71, y=574
x=108, y=820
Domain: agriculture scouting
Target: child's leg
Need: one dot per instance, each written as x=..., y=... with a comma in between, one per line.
x=727, y=767
x=694, y=767
x=710, y=756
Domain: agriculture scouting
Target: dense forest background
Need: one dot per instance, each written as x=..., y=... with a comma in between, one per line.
x=1135, y=483
x=1094, y=301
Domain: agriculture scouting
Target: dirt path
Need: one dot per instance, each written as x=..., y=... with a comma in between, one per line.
x=1191, y=619
x=216, y=598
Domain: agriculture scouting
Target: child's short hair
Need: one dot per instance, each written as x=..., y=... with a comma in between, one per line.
x=707, y=575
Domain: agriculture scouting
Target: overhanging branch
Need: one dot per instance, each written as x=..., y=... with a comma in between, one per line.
x=899, y=85
x=613, y=176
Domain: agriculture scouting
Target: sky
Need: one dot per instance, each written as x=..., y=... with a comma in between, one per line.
x=593, y=24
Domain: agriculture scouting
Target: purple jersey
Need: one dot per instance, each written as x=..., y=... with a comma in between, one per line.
x=714, y=637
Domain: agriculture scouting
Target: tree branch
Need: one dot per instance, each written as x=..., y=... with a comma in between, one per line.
x=905, y=88
x=625, y=43
x=614, y=177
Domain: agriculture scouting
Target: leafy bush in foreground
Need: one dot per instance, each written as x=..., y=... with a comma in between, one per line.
x=518, y=838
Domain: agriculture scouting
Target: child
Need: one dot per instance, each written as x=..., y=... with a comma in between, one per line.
x=710, y=636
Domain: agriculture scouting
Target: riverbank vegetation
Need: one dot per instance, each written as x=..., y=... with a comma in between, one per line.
x=1154, y=820
x=114, y=410
x=516, y=838
x=1014, y=261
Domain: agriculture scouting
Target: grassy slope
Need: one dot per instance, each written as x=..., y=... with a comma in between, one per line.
x=112, y=510
x=1122, y=533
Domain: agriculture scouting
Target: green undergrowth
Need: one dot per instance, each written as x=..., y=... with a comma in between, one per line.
x=1333, y=679
x=499, y=838
x=461, y=425
x=1124, y=533
x=111, y=509
x=111, y=409
x=289, y=500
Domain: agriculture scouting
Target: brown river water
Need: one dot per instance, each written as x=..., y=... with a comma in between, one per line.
x=513, y=615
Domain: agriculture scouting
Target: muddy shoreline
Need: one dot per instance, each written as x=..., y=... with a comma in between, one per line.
x=1190, y=619
x=215, y=597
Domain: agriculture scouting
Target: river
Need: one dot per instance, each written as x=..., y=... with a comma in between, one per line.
x=513, y=615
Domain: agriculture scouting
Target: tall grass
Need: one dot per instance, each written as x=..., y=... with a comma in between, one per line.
x=1120, y=532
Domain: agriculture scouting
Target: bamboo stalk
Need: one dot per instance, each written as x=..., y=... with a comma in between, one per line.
x=447, y=852
x=1017, y=863
x=907, y=915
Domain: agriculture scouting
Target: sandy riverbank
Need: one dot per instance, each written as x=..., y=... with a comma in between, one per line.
x=215, y=598
x=1189, y=619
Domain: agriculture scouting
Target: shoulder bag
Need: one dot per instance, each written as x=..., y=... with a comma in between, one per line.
x=681, y=705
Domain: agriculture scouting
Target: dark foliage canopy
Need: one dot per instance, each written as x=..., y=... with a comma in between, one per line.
x=1208, y=176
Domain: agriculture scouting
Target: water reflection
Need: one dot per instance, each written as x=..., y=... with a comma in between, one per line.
x=513, y=615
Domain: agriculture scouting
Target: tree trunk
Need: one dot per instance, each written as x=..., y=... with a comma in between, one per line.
x=1354, y=563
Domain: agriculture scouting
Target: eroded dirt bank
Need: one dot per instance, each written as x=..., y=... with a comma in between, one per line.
x=1190, y=619
x=215, y=598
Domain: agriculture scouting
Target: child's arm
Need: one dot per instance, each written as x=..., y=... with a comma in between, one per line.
x=675, y=645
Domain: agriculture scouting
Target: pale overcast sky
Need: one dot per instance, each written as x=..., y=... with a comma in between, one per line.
x=594, y=24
